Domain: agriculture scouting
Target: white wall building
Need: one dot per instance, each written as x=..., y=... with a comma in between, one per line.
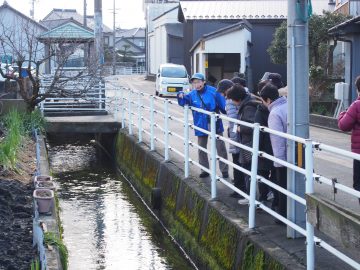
x=223, y=53
x=159, y=39
x=20, y=30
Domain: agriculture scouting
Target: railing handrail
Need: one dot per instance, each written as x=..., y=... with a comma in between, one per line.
x=132, y=104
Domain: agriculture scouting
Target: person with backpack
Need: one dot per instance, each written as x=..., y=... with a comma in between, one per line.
x=207, y=98
x=349, y=120
x=247, y=108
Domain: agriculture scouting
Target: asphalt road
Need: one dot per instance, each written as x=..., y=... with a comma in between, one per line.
x=326, y=164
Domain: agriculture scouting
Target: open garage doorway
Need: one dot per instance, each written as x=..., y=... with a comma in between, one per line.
x=222, y=66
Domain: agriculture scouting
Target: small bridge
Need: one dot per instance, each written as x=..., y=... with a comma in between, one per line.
x=82, y=124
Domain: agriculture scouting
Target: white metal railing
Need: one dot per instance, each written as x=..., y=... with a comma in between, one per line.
x=92, y=99
x=131, y=105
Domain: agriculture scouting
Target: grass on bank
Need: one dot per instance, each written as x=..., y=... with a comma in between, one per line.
x=16, y=127
x=53, y=240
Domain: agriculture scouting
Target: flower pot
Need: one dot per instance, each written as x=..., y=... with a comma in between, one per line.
x=44, y=199
x=43, y=178
x=45, y=185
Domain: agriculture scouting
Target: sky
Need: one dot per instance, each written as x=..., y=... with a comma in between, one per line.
x=128, y=15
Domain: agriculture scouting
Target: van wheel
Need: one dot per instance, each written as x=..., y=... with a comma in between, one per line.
x=160, y=95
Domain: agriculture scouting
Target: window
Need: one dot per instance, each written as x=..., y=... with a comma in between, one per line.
x=142, y=43
x=106, y=40
x=173, y=72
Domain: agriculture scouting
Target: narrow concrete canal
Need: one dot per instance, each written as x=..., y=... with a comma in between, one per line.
x=106, y=226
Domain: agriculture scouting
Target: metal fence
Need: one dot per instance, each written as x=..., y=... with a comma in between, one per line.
x=135, y=115
x=76, y=99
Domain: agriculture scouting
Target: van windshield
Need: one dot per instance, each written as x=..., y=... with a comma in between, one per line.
x=173, y=72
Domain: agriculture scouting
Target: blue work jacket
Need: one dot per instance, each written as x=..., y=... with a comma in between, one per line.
x=210, y=100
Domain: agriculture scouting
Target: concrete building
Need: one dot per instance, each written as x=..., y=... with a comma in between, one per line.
x=165, y=41
x=204, y=17
x=223, y=53
x=152, y=10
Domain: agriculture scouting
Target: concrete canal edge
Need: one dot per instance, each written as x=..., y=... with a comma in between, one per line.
x=212, y=234
x=50, y=223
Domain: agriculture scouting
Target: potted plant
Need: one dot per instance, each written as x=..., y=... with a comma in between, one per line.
x=45, y=185
x=44, y=200
x=43, y=178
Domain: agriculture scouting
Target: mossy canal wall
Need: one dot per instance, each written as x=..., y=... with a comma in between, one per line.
x=212, y=234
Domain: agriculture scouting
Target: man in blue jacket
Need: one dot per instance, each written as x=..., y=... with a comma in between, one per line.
x=205, y=97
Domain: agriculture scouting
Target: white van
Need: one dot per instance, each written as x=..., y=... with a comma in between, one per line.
x=172, y=79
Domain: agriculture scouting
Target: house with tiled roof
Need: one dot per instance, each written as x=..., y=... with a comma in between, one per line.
x=58, y=16
x=134, y=41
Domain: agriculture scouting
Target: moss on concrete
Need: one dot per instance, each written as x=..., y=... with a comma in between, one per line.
x=255, y=259
x=138, y=162
x=199, y=254
x=222, y=232
x=151, y=170
x=191, y=211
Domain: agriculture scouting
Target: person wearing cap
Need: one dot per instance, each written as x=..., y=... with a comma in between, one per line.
x=207, y=98
x=277, y=121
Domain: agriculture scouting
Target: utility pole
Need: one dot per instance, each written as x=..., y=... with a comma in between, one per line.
x=85, y=19
x=298, y=102
x=114, y=39
x=32, y=10
x=86, y=45
x=98, y=31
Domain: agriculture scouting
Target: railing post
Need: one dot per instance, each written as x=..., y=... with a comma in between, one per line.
x=166, y=127
x=122, y=108
x=100, y=95
x=253, y=178
x=116, y=108
x=309, y=167
x=152, y=139
x=213, y=154
x=42, y=107
x=130, y=117
x=186, y=141
x=140, y=116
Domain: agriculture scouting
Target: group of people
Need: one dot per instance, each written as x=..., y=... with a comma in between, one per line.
x=264, y=106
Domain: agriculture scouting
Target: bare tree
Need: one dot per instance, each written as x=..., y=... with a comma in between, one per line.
x=20, y=39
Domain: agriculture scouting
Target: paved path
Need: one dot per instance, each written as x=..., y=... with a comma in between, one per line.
x=326, y=164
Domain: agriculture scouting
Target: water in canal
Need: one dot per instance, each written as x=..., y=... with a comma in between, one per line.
x=105, y=224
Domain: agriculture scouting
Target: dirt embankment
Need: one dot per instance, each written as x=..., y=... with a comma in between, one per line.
x=16, y=211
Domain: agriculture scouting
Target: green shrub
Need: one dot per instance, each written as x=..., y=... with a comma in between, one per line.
x=33, y=120
x=10, y=144
x=17, y=126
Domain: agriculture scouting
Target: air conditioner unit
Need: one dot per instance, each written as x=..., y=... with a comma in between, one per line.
x=341, y=91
